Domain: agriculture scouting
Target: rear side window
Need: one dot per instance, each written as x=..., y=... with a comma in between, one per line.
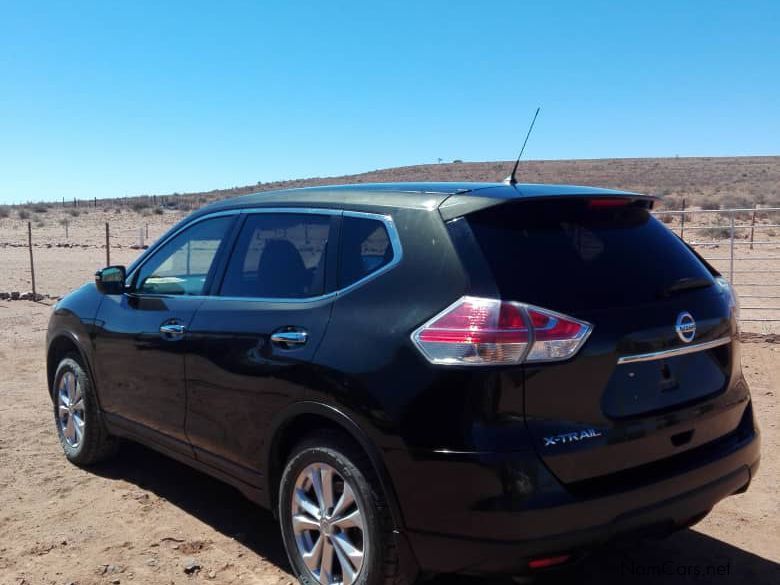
x=567, y=255
x=279, y=255
x=365, y=248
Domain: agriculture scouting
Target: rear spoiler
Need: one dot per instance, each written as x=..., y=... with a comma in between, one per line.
x=460, y=204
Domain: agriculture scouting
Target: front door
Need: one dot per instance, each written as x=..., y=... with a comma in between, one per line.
x=142, y=335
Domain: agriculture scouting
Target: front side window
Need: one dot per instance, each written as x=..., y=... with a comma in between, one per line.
x=280, y=256
x=181, y=266
x=365, y=248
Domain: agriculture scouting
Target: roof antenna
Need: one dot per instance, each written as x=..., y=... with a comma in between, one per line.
x=511, y=179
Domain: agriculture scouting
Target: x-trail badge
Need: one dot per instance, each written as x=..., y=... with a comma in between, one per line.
x=685, y=327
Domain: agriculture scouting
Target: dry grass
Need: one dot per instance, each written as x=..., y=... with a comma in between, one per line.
x=706, y=182
x=714, y=181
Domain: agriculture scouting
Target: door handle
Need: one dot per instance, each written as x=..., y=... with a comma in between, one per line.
x=290, y=338
x=172, y=331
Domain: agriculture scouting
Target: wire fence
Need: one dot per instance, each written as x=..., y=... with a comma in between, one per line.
x=743, y=245
x=52, y=254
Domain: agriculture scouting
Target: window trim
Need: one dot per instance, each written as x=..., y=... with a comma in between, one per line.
x=232, y=236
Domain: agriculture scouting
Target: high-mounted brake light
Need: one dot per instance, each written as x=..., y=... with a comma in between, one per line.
x=479, y=331
x=608, y=202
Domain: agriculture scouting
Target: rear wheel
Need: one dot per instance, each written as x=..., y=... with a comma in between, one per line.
x=334, y=519
x=81, y=432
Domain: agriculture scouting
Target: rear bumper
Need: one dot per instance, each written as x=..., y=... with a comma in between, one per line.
x=478, y=513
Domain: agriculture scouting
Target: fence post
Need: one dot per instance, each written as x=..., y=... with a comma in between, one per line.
x=108, y=247
x=147, y=231
x=731, y=260
x=682, y=221
x=32, y=263
x=753, y=225
x=66, y=229
x=141, y=237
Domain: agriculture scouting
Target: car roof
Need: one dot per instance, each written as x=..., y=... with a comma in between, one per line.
x=407, y=195
x=451, y=199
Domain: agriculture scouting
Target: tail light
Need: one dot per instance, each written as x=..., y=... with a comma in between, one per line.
x=730, y=293
x=478, y=331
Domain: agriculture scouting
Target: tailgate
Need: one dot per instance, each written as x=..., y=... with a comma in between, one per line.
x=636, y=393
x=659, y=374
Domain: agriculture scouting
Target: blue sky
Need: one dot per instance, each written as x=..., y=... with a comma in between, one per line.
x=111, y=98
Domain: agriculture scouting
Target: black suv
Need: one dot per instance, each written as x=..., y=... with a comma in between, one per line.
x=421, y=378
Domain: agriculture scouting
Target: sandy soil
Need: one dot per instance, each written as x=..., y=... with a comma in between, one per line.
x=145, y=519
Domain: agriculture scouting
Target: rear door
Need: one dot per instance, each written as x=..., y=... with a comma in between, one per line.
x=646, y=385
x=251, y=345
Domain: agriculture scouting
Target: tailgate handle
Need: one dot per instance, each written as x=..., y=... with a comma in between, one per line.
x=681, y=439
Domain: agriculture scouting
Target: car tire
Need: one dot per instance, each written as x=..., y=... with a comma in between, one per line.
x=80, y=429
x=357, y=536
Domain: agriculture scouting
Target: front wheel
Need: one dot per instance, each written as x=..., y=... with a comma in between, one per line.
x=79, y=427
x=333, y=516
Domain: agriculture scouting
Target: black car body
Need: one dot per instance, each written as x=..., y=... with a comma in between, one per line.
x=494, y=451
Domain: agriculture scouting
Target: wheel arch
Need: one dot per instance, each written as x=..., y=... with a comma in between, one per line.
x=286, y=430
x=61, y=345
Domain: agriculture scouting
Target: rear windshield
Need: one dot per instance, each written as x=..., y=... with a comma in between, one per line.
x=567, y=255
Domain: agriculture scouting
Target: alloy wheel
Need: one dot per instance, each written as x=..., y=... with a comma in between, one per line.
x=328, y=525
x=70, y=409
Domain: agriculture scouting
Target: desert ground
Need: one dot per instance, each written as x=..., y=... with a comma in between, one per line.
x=146, y=519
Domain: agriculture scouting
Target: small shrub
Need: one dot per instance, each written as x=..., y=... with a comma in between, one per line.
x=74, y=212
x=717, y=233
x=158, y=210
x=738, y=202
x=673, y=203
x=709, y=203
x=40, y=209
x=138, y=206
x=4, y=212
x=39, y=223
x=24, y=214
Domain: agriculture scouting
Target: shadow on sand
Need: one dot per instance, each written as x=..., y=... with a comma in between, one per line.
x=686, y=557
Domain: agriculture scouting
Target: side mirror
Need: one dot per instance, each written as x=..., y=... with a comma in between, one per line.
x=111, y=280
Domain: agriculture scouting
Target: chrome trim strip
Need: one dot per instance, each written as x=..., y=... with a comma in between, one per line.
x=392, y=234
x=669, y=353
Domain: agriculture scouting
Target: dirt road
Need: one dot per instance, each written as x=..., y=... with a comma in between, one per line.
x=146, y=519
